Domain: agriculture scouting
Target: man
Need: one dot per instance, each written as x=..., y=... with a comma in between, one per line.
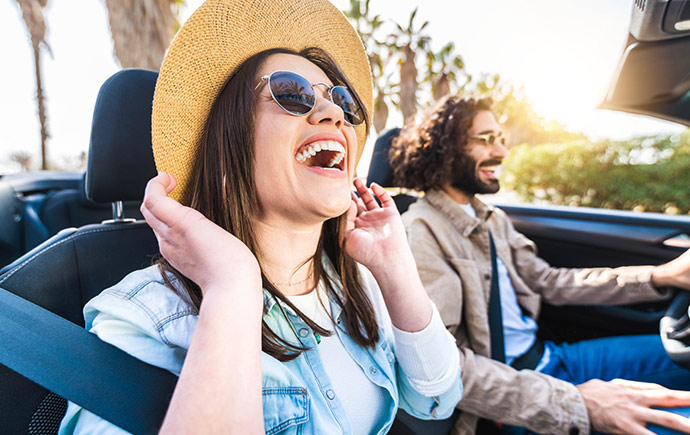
x=454, y=155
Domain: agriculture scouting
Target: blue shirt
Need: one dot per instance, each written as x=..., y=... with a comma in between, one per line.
x=519, y=330
x=155, y=324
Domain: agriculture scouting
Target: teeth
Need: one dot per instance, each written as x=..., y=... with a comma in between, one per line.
x=314, y=148
x=336, y=159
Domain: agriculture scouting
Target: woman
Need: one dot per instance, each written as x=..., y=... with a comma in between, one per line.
x=285, y=302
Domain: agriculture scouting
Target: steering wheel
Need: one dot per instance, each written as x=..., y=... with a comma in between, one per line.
x=674, y=328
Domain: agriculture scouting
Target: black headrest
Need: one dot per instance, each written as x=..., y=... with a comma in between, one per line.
x=380, y=168
x=120, y=154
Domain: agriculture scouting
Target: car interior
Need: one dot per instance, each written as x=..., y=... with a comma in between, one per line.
x=64, y=237
x=64, y=272
x=36, y=206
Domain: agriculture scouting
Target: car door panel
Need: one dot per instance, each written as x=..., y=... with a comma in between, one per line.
x=583, y=237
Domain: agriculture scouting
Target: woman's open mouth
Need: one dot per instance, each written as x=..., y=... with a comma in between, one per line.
x=327, y=154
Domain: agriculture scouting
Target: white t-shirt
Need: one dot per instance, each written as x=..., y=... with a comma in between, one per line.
x=362, y=399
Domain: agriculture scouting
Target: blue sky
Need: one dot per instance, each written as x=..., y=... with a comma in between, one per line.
x=562, y=52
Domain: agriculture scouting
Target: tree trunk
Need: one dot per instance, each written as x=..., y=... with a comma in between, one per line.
x=380, y=112
x=32, y=13
x=40, y=100
x=441, y=87
x=141, y=31
x=408, y=85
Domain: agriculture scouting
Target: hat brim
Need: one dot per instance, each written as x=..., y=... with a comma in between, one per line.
x=218, y=37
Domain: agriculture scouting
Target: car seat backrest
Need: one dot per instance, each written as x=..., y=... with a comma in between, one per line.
x=120, y=155
x=71, y=208
x=70, y=268
x=380, y=170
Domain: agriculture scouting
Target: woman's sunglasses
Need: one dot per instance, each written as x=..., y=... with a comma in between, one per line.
x=296, y=95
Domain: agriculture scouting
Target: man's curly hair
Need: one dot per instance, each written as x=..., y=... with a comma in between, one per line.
x=423, y=157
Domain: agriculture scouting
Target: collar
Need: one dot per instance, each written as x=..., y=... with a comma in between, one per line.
x=441, y=201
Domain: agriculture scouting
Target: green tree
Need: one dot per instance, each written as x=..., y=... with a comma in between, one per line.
x=443, y=69
x=643, y=174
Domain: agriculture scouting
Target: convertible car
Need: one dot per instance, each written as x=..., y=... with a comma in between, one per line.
x=66, y=236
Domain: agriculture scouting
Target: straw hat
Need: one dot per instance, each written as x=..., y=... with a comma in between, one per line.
x=215, y=41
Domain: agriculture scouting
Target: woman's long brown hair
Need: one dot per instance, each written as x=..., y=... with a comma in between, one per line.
x=223, y=189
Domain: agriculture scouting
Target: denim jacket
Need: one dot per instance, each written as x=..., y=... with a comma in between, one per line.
x=151, y=322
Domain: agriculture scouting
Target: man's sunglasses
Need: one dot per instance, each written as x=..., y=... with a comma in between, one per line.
x=490, y=139
x=296, y=95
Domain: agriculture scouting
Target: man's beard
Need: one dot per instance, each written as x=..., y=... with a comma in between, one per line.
x=465, y=176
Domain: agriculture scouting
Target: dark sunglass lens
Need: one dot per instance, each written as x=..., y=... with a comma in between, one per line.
x=293, y=92
x=342, y=98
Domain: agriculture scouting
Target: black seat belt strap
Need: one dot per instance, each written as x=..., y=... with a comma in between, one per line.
x=75, y=364
x=495, y=313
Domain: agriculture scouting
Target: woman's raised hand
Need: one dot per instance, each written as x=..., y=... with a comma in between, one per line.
x=225, y=379
x=375, y=236
x=198, y=248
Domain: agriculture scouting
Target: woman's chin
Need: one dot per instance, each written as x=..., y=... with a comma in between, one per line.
x=334, y=205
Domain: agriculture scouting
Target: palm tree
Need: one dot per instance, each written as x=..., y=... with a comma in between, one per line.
x=142, y=30
x=404, y=43
x=386, y=88
x=443, y=69
x=32, y=13
x=367, y=27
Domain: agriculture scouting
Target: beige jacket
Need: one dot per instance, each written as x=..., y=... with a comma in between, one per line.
x=451, y=249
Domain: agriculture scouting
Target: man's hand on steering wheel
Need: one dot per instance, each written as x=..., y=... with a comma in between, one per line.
x=675, y=273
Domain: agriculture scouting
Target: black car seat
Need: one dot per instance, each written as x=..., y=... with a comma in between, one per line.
x=67, y=270
x=380, y=170
x=67, y=208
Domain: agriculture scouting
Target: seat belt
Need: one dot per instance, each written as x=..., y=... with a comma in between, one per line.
x=75, y=364
x=498, y=352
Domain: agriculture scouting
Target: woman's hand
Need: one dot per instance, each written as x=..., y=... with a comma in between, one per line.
x=375, y=235
x=219, y=389
x=198, y=248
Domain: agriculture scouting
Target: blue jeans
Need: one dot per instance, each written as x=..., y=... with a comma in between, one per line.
x=635, y=357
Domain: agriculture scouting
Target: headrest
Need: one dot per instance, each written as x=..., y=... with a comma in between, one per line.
x=380, y=170
x=120, y=154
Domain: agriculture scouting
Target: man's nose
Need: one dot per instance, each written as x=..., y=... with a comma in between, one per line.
x=499, y=150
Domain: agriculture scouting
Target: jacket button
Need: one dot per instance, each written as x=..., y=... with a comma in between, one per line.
x=574, y=430
x=304, y=332
x=372, y=370
x=330, y=394
x=487, y=276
